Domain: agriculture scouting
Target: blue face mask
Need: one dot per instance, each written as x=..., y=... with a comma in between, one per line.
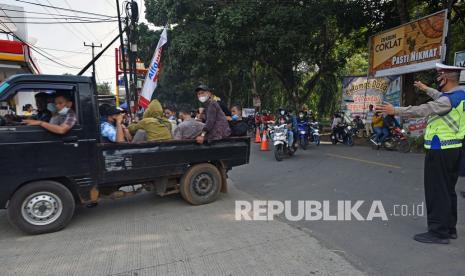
x=51, y=107
x=235, y=117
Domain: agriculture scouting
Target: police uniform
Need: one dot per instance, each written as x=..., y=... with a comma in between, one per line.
x=444, y=134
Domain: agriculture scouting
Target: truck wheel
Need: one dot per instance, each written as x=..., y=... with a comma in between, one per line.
x=41, y=207
x=201, y=184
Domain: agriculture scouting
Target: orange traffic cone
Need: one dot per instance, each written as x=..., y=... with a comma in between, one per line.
x=257, y=136
x=264, y=144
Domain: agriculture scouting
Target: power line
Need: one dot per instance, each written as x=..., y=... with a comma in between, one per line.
x=57, y=18
x=64, y=9
x=62, y=22
x=85, y=26
x=38, y=50
x=70, y=28
x=72, y=52
x=53, y=14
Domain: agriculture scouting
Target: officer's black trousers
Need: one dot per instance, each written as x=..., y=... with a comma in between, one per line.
x=441, y=174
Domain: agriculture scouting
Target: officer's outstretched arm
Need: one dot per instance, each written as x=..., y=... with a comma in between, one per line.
x=433, y=93
x=440, y=106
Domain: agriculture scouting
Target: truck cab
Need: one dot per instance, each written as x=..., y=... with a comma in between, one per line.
x=45, y=175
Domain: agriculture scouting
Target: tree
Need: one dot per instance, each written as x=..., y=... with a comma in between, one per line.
x=103, y=88
x=288, y=53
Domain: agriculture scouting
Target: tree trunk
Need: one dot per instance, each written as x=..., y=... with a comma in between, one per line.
x=230, y=90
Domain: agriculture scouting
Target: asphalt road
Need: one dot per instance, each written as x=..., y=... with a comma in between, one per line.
x=359, y=173
x=149, y=235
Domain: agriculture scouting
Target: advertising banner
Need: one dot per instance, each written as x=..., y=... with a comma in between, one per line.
x=358, y=93
x=460, y=61
x=412, y=47
x=416, y=126
x=151, y=80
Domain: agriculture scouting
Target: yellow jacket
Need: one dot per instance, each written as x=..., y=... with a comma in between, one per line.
x=157, y=127
x=377, y=121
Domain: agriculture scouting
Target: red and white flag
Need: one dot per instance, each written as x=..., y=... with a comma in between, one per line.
x=151, y=79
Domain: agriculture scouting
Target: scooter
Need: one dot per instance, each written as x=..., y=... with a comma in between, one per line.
x=279, y=135
x=397, y=140
x=302, y=130
x=345, y=136
x=314, y=133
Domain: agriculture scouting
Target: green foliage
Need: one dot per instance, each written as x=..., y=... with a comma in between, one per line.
x=288, y=53
x=103, y=88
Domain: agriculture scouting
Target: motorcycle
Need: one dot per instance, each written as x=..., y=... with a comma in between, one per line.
x=397, y=140
x=345, y=135
x=279, y=135
x=302, y=130
x=314, y=133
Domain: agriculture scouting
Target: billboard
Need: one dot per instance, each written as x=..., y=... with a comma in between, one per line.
x=358, y=93
x=412, y=47
x=460, y=61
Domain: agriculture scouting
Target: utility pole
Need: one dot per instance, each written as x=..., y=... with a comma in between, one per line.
x=123, y=59
x=93, y=54
x=132, y=13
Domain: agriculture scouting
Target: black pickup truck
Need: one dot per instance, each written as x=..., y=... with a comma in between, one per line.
x=44, y=175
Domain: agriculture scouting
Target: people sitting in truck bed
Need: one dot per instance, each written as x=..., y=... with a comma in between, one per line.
x=156, y=127
x=63, y=120
x=238, y=126
x=189, y=128
x=170, y=114
x=112, y=128
x=216, y=126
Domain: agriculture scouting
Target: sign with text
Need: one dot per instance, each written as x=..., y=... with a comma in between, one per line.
x=358, y=93
x=460, y=61
x=412, y=47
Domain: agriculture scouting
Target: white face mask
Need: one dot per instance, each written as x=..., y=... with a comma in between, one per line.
x=51, y=107
x=203, y=99
x=63, y=111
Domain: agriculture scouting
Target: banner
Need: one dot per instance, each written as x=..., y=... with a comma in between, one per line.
x=412, y=47
x=459, y=60
x=151, y=79
x=358, y=93
x=416, y=126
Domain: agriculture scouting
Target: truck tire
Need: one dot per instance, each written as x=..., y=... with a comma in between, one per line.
x=201, y=184
x=41, y=207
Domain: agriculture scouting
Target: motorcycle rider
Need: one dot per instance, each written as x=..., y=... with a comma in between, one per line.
x=303, y=117
x=336, y=125
x=358, y=122
x=389, y=123
x=285, y=118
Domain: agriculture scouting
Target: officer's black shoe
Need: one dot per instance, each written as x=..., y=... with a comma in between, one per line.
x=453, y=236
x=430, y=238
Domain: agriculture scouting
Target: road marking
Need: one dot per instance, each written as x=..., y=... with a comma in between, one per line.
x=325, y=143
x=364, y=161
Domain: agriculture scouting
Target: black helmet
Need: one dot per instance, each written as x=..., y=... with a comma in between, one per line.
x=202, y=87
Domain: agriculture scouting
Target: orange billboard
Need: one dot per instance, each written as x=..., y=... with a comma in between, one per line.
x=411, y=47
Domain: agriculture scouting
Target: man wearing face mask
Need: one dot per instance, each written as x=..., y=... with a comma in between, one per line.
x=43, y=114
x=63, y=120
x=216, y=126
x=444, y=134
x=237, y=125
x=285, y=118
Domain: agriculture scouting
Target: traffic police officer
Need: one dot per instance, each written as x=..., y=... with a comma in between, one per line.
x=444, y=134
